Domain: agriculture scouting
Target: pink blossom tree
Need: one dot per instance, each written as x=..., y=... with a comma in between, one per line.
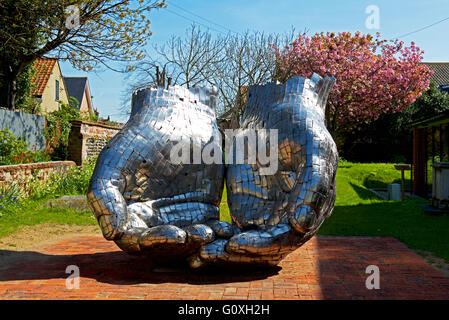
x=373, y=76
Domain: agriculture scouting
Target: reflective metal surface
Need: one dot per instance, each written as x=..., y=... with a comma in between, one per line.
x=144, y=202
x=149, y=205
x=278, y=213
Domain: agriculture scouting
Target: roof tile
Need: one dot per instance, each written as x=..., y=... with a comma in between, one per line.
x=44, y=67
x=441, y=72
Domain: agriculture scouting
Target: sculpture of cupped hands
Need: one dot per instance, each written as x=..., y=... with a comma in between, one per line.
x=158, y=183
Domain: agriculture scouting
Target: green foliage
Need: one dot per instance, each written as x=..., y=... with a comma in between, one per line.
x=14, y=150
x=358, y=212
x=431, y=103
x=58, y=128
x=10, y=198
x=24, y=99
x=24, y=86
x=74, y=182
x=10, y=144
x=389, y=139
x=29, y=156
x=101, y=31
x=34, y=212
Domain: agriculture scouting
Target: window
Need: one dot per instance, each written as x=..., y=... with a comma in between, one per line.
x=57, y=90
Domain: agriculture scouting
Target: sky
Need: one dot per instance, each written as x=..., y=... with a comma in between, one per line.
x=396, y=19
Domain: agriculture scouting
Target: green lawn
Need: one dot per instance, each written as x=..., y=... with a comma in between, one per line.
x=358, y=212
x=34, y=213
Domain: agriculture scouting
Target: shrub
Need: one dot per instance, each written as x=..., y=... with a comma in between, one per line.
x=10, y=144
x=58, y=128
x=74, y=182
x=15, y=151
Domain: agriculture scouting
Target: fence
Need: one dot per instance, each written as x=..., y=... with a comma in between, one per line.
x=24, y=125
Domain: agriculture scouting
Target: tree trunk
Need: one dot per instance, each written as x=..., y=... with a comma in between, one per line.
x=9, y=76
x=11, y=92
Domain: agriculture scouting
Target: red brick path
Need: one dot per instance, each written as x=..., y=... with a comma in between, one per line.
x=324, y=268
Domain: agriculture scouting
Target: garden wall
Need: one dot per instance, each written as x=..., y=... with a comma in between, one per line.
x=21, y=174
x=21, y=124
x=87, y=139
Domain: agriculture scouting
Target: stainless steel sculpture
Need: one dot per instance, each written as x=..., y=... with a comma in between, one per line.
x=142, y=201
x=278, y=213
x=150, y=206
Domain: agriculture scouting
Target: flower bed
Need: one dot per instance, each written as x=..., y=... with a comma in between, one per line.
x=21, y=174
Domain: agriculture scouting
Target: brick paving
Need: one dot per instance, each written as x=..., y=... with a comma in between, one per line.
x=324, y=268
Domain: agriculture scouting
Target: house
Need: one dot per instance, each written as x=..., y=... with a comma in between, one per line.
x=430, y=145
x=440, y=75
x=78, y=88
x=49, y=87
x=430, y=137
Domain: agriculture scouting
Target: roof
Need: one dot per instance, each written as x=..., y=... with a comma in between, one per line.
x=441, y=72
x=75, y=87
x=44, y=68
x=437, y=120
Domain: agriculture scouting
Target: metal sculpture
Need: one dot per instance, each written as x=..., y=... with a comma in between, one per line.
x=278, y=213
x=144, y=202
x=169, y=211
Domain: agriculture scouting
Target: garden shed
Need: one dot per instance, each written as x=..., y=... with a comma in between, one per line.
x=430, y=145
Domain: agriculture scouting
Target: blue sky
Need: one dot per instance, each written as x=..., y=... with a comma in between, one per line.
x=397, y=17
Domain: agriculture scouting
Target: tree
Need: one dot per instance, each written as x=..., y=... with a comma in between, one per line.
x=389, y=138
x=87, y=33
x=248, y=60
x=24, y=99
x=229, y=62
x=185, y=60
x=430, y=104
x=373, y=76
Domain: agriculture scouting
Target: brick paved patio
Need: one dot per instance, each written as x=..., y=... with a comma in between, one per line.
x=324, y=268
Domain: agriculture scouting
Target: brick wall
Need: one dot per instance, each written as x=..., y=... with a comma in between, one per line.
x=20, y=174
x=87, y=139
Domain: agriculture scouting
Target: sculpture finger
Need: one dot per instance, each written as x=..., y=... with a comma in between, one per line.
x=222, y=229
x=261, y=243
x=129, y=240
x=165, y=236
x=199, y=234
x=214, y=254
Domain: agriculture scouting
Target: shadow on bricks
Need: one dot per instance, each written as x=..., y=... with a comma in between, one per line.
x=116, y=267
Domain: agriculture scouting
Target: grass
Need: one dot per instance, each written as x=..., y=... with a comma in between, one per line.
x=34, y=213
x=358, y=212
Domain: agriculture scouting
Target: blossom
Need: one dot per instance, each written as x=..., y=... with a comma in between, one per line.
x=373, y=76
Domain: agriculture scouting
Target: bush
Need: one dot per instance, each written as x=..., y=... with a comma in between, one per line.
x=389, y=138
x=58, y=128
x=15, y=151
x=10, y=144
x=74, y=182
